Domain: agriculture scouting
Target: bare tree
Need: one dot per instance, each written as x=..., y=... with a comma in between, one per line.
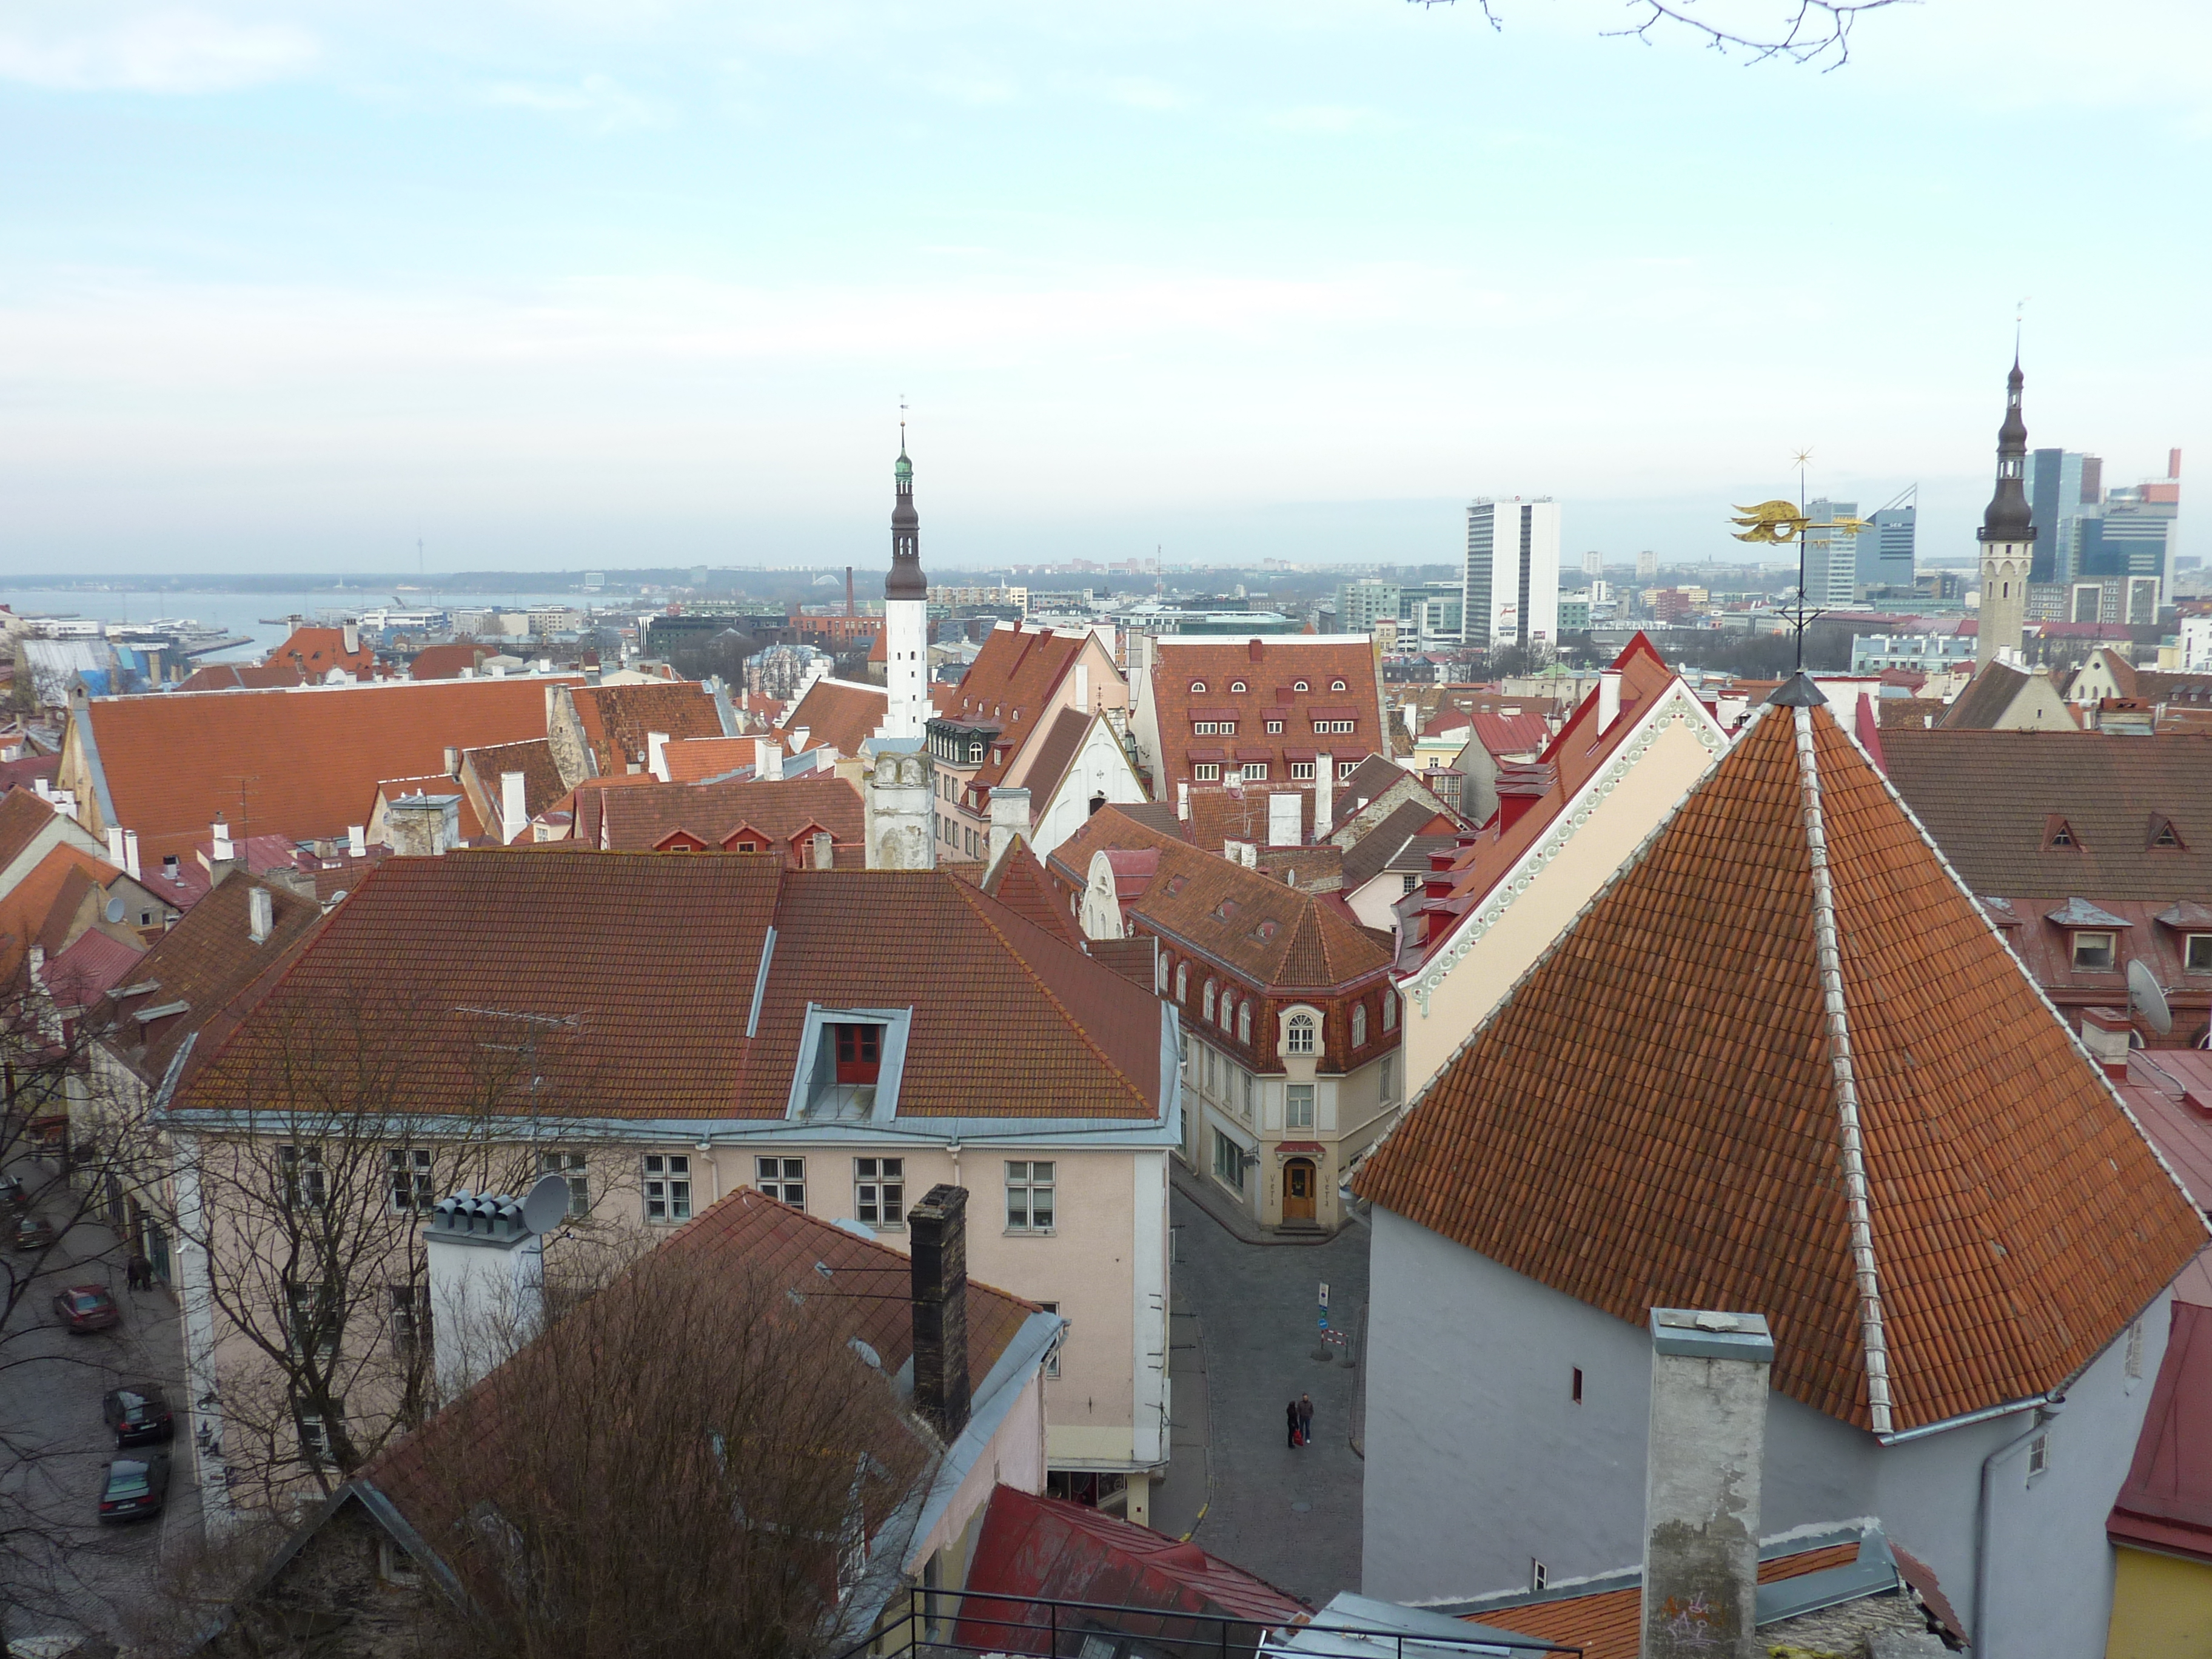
x=1803, y=30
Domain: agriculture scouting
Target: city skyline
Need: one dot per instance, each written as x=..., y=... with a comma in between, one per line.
x=292, y=291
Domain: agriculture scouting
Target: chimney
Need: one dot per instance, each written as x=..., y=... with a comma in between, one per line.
x=1083, y=686
x=1010, y=817
x=131, y=854
x=1701, y=1484
x=851, y=609
x=2106, y=1033
x=357, y=841
x=513, y=808
x=487, y=1270
x=1324, y=796
x=352, y=638
x=224, y=850
x=115, y=845
x=825, y=851
x=260, y=915
x=656, y=754
x=938, y=1232
x=1608, y=699
x=1283, y=827
x=453, y=762
x=767, y=753
x=423, y=826
x=1183, y=802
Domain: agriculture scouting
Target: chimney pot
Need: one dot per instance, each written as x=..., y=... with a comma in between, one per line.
x=656, y=754
x=260, y=915
x=1010, y=817
x=222, y=849
x=937, y=1230
x=130, y=854
x=825, y=851
x=453, y=762
x=357, y=840
x=513, y=806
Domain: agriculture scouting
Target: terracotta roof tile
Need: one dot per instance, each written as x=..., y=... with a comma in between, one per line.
x=532, y=758
x=1654, y=1115
x=709, y=814
x=25, y=906
x=616, y=719
x=307, y=761
x=1009, y=685
x=837, y=714
x=1018, y=882
x=1270, y=670
x=1608, y=1623
x=445, y=662
x=694, y=760
x=23, y=815
x=84, y=971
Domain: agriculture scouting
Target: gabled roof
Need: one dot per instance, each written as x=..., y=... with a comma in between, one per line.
x=23, y=816
x=838, y=715
x=483, y=769
x=2165, y=1504
x=642, y=972
x=1987, y=698
x=639, y=820
x=616, y=719
x=1987, y=798
x=308, y=760
x=25, y=906
x=1269, y=670
x=1782, y=1062
x=1018, y=882
x=84, y=971
x=1009, y=685
x=445, y=662
x=1510, y=734
x=1373, y=851
x=1055, y=751
x=1370, y=779
x=694, y=760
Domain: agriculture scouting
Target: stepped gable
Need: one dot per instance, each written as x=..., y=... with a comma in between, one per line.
x=1784, y=1063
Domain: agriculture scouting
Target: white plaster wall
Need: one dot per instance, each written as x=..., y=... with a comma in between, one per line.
x=1478, y=1461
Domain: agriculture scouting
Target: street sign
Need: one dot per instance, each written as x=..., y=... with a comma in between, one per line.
x=1324, y=1293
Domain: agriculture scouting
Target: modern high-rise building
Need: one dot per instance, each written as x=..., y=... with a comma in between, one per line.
x=2062, y=488
x=1832, y=554
x=1886, y=552
x=1511, y=589
x=1361, y=604
x=1647, y=566
x=1593, y=563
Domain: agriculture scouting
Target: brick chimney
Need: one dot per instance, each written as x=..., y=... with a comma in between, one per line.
x=1701, y=1491
x=937, y=1228
x=2106, y=1033
x=420, y=826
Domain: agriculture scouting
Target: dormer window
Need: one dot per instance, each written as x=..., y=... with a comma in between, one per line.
x=860, y=1053
x=2057, y=833
x=1300, y=685
x=1236, y=685
x=1198, y=688
x=1225, y=910
x=1336, y=685
x=1265, y=931
x=2197, y=953
x=2164, y=837
x=1298, y=1035
x=2093, y=952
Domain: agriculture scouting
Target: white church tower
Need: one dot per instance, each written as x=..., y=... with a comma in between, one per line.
x=2008, y=538
x=899, y=787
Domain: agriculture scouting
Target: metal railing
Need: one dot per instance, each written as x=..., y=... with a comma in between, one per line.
x=942, y=1624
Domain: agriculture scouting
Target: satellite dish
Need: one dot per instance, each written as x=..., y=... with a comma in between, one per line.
x=115, y=907
x=2146, y=999
x=547, y=1205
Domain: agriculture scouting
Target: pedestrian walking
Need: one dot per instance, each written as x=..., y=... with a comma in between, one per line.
x=138, y=1272
x=1305, y=1419
x=1290, y=1417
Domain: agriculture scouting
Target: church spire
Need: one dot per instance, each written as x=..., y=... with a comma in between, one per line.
x=906, y=580
x=2007, y=519
x=2007, y=538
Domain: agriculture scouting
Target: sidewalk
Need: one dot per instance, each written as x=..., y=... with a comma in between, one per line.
x=1233, y=1220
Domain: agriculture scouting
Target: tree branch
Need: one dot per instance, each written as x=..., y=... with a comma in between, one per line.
x=1810, y=30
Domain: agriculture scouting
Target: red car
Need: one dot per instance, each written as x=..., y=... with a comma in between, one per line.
x=88, y=1307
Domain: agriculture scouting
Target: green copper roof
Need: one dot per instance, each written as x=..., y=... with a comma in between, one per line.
x=905, y=468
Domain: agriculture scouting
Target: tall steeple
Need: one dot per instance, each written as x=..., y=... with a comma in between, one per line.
x=906, y=580
x=905, y=610
x=2008, y=536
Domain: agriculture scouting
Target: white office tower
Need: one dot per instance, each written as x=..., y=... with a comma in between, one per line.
x=1647, y=566
x=1593, y=564
x=906, y=612
x=1511, y=589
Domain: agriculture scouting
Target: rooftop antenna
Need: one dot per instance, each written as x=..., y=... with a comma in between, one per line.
x=2147, y=997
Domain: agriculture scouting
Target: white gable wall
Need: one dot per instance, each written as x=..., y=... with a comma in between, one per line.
x=1478, y=1462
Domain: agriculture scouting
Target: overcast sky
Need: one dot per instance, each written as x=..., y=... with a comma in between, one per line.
x=618, y=282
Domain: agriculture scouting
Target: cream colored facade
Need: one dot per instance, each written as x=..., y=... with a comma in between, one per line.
x=1669, y=748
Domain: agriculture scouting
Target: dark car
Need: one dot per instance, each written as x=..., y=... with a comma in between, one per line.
x=31, y=1232
x=137, y=1487
x=13, y=1195
x=88, y=1307
x=138, y=1412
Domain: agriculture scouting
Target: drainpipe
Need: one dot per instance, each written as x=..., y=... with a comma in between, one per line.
x=1980, y=1633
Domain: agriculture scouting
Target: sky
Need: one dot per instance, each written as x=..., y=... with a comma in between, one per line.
x=609, y=282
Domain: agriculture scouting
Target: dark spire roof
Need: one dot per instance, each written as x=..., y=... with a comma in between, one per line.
x=1798, y=692
x=2007, y=519
x=906, y=580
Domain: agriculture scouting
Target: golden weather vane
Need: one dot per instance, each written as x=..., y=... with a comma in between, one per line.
x=1781, y=523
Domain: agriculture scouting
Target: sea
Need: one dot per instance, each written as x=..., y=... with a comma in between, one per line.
x=259, y=617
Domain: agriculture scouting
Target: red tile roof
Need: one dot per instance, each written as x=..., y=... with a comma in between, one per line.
x=1608, y=1624
x=25, y=906
x=83, y=972
x=693, y=760
x=445, y=662
x=837, y=714
x=306, y=762
x=483, y=769
x=1009, y=685
x=1270, y=670
x=1019, y=883
x=23, y=815
x=616, y=719
x=306, y=658
x=777, y=813
x=1657, y=1115
x=2166, y=1505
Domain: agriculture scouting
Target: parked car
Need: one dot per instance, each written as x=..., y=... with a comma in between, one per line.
x=137, y=1487
x=31, y=1232
x=88, y=1307
x=13, y=1195
x=138, y=1412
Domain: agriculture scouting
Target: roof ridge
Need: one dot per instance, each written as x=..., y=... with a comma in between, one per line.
x=1828, y=957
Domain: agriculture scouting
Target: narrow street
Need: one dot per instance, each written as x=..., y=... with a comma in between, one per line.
x=1244, y=1331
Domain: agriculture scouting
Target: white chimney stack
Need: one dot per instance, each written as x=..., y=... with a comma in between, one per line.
x=825, y=851
x=1010, y=817
x=1183, y=802
x=487, y=1271
x=115, y=845
x=260, y=915
x=352, y=638
x=131, y=854
x=1324, y=796
x=769, y=759
x=1284, y=828
x=223, y=848
x=513, y=809
x=1608, y=699
x=357, y=840
x=453, y=762
x=656, y=754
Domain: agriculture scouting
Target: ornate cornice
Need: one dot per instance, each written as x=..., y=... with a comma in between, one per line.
x=1676, y=707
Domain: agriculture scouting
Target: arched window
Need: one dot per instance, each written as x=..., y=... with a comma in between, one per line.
x=1244, y=1022
x=1228, y=1003
x=1235, y=685
x=1209, y=1000
x=1299, y=685
x=1336, y=685
x=1160, y=977
x=1359, y=1025
x=1298, y=1035
x=1389, y=1011
x=1198, y=688
x=1182, y=982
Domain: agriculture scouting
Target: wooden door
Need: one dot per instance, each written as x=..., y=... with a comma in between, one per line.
x=1298, y=1190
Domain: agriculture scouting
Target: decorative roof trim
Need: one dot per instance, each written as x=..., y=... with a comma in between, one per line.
x=1673, y=706
x=1830, y=960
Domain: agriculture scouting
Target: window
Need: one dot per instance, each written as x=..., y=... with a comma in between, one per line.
x=879, y=1191
x=2092, y=952
x=1248, y=1092
x=1327, y=727
x=1198, y=688
x=306, y=1186
x=1228, y=1162
x=1225, y=1002
x=1256, y=771
x=1206, y=772
x=1345, y=768
x=1298, y=1105
x=315, y=1435
x=1209, y=1000
x=1389, y=1011
x=1028, y=1197
x=312, y=1328
x=783, y=1177
x=1388, y=1081
x=1244, y=1022
x=2197, y=953
x=1578, y=1385
x=1301, y=770
x=1539, y=1576
x=1299, y=685
x=1359, y=1025
x=860, y=1053
x=1160, y=977
x=1052, y=1354
x=569, y=1166
x=1336, y=685
x=1299, y=1036
x=1182, y=982
x=1274, y=728
x=393, y=1565
x=667, y=1187
x=411, y=1322
x=2038, y=1455
x=1236, y=685
x=410, y=1179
